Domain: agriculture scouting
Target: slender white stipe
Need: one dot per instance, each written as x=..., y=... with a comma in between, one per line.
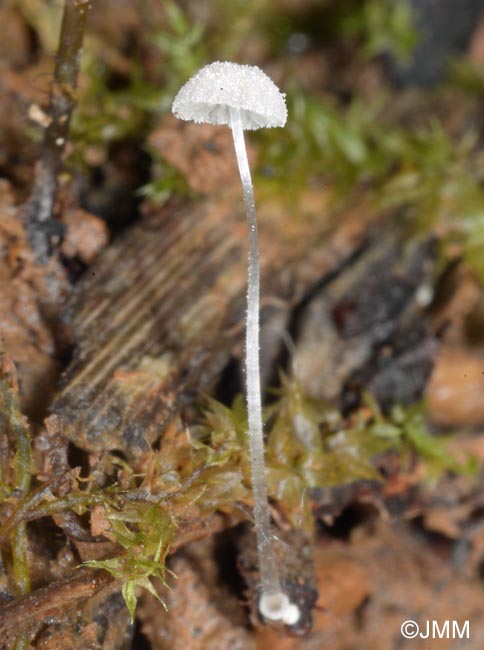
x=267, y=565
x=244, y=97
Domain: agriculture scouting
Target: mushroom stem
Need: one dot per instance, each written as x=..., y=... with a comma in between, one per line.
x=243, y=96
x=269, y=574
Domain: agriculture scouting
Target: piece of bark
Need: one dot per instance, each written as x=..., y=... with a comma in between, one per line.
x=160, y=313
x=366, y=329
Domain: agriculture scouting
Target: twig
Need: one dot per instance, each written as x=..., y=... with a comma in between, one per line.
x=41, y=226
x=52, y=602
x=27, y=612
x=32, y=508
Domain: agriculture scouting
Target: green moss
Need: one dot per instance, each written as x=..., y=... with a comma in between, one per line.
x=167, y=182
x=207, y=470
x=104, y=115
x=309, y=445
x=382, y=26
x=144, y=532
x=433, y=181
x=320, y=140
x=183, y=48
x=433, y=450
x=467, y=75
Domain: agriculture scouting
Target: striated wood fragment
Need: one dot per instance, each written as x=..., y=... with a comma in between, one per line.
x=162, y=311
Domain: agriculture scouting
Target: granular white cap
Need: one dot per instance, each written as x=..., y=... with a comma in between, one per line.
x=217, y=87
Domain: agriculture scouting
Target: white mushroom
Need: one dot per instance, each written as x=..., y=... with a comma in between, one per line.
x=243, y=97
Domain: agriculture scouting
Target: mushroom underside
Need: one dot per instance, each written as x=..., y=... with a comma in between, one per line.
x=220, y=114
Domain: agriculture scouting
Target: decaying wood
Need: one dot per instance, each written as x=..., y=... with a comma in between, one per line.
x=367, y=328
x=162, y=311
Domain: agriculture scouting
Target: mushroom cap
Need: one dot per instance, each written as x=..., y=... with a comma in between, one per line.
x=217, y=87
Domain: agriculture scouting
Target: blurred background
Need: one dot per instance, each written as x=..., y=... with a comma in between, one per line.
x=371, y=205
